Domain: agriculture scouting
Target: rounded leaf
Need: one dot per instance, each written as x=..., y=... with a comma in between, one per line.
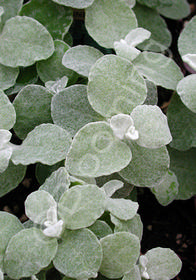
x=81, y=206
x=81, y=58
x=186, y=89
x=11, y=9
x=100, y=229
x=162, y=263
x=102, y=18
x=28, y=252
x=48, y=13
x=112, y=186
x=115, y=86
x=123, y=209
x=148, y=166
x=10, y=225
x=7, y=113
x=11, y=178
x=167, y=190
x=95, y=151
x=177, y=9
x=152, y=126
x=78, y=4
x=79, y=254
x=24, y=41
x=47, y=143
x=37, y=100
x=52, y=69
x=8, y=76
x=37, y=205
x=159, y=69
x=71, y=109
x=120, y=252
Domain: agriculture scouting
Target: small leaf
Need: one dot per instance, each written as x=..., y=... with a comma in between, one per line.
x=149, y=19
x=47, y=13
x=167, y=190
x=11, y=178
x=71, y=109
x=183, y=165
x=182, y=124
x=95, y=151
x=52, y=69
x=152, y=126
x=78, y=4
x=58, y=85
x=47, y=143
x=100, y=229
x=7, y=113
x=120, y=252
x=148, y=166
x=188, y=52
x=81, y=206
x=162, y=263
x=37, y=100
x=186, y=89
x=159, y=69
x=102, y=18
x=24, y=41
x=133, y=225
x=8, y=76
x=83, y=249
x=81, y=58
x=177, y=9
x=115, y=86
x=112, y=186
x=9, y=225
x=57, y=183
x=37, y=205
x=123, y=209
x=28, y=252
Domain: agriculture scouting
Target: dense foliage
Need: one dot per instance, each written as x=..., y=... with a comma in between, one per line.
x=88, y=118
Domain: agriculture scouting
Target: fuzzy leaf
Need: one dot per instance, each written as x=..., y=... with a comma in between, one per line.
x=37, y=100
x=120, y=252
x=134, y=274
x=186, y=89
x=57, y=183
x=37, y=205
x=162, y=263
x=11, y=9
x=48, y=13
x=152, y=126
x=149, y=19
x=9, y=225
x=148, y=166
x=81, y=58
x=24, y=41
x=7, y=113
x=95, y=151
x=152, y=95
x=183, y=164
x=133, y=225
x=78, y=4
x=115, y=86
x=123, y=209
x=71, y=109
x=11, y=178
x=81, y=206
x=102, y=18
x=159, y=69
x=47, y=143
x=83, y=249
x=100, y=229
x=167, y=190
x=52, y=69
x=112, y=186
x=177, y=10
x=8, y=76
x=182, y=124
x=28, y=252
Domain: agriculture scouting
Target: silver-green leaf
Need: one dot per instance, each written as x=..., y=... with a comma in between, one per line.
x=7, y=113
